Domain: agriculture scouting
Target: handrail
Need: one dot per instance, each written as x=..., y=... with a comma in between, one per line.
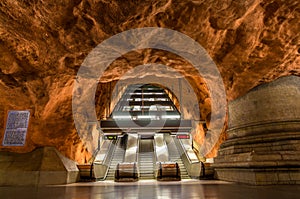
x=109, y=154
x=101, y=167
x=189, y=152
x=104, y=152
x=193, y=165
x=91, y=160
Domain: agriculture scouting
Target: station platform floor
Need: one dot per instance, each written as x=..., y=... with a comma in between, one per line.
x=185, y=189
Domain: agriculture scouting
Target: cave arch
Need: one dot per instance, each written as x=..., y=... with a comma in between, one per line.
x=158, y=38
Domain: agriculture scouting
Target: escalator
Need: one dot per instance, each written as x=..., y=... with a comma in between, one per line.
x=175, y=156
x=132, y=158
x=147, y=150
x=146, y=164
x=117, y=157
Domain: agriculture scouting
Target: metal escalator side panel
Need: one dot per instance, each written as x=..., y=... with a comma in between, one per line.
x=166, y=170
x=160, y=147
x=176, y=155
x=127, y=171
x=189, y=151
x=131, y=148
x=189, y=158
x=100, y=165
x=103, y=151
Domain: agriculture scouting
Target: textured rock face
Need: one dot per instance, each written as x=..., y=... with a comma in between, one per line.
x=43, y=44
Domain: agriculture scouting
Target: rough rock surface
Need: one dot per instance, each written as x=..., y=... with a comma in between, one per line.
x=43, y=43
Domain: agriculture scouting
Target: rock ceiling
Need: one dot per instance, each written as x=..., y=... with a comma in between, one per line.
x=43, y=43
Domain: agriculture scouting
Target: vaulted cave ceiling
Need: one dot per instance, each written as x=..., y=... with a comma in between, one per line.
x=43, y=44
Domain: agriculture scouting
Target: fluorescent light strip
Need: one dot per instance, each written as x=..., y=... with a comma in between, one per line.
x=170, y=116
x=121, y=117
x=146, y=93
x=146, y=117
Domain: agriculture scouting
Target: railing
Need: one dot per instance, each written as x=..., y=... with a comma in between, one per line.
x=189, y=158
x=103, y=158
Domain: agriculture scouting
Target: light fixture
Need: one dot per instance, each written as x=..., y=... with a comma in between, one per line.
x=121, y=117
x=170, y=116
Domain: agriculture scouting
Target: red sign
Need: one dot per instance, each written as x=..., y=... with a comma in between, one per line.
x=183, y=136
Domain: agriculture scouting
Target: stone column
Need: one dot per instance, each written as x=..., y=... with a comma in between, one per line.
x=43, y=166
x=263, y=145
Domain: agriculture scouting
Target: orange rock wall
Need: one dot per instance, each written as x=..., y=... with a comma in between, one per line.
x=43, y=43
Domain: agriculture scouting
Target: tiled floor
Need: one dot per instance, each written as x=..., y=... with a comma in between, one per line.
x=152, y=189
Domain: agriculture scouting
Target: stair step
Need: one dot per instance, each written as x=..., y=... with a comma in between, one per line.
x=116, y=159
x=146, y=160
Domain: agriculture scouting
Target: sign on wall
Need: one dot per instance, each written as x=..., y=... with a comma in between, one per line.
x=16, y=128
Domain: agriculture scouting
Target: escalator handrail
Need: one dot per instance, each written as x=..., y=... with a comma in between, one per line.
x=92, y=159
x=108, y=155
x=111, y=156
x=186, y=154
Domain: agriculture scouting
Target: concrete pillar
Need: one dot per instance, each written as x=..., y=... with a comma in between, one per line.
x=263, y=145
x=43, y=166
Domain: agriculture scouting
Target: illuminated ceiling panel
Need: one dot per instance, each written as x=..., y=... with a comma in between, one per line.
x=147, y=102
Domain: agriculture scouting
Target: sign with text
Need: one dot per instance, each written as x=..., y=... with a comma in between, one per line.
x=183, y=136
x=111, y=137
x=16, y=128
